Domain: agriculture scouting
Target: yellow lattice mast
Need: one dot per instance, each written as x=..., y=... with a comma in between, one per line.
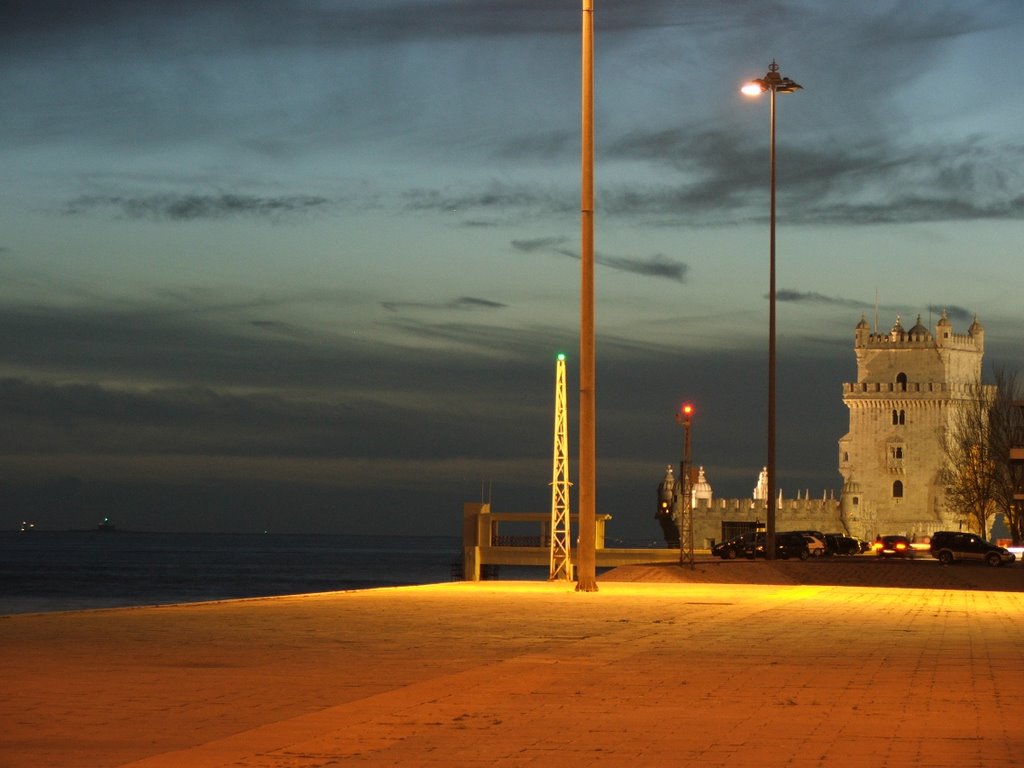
x=561, y=561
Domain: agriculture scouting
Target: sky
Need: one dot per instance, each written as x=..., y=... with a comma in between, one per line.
x=306, y=265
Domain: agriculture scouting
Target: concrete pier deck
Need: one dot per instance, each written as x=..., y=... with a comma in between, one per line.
x=520, y=674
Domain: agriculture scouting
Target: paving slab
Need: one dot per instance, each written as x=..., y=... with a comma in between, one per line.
x=524, y=674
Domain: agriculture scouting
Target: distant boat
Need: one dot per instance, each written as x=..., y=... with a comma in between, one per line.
x=27, y=527
x=106, y=525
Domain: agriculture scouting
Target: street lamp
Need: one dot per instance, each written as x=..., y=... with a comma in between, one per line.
x=685, y=419
x=586, y=571
x=773, y=83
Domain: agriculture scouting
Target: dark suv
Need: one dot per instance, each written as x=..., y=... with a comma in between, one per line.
x=787, y=545
x=728, y=550
x=950, y=546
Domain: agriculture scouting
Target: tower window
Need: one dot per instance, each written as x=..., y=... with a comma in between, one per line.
x=897, y=489
x=901, y=381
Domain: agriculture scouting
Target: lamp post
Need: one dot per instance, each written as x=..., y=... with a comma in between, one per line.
x=586, y=577
x=773, y=83
x=685, y=419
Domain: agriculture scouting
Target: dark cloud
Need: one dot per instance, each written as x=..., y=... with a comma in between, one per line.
x=658, y=265
x=721, y=181
x=953, y=312
x=717, y=178
x=538, y=244
x=484, y=393
x=462, y=303
x=191, y=207
x=458, y=404
x=284, y=22
x=508, y=199
x=655, y=266
x=811, y=297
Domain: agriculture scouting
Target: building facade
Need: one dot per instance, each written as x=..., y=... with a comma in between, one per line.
x=909, y=385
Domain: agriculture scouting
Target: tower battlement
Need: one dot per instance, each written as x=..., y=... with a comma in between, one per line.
x=911, y=388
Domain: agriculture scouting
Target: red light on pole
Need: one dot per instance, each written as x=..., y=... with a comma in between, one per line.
x=686, y=412
x=685, y=419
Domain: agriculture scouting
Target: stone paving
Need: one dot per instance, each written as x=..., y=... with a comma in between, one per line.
x=518, y=674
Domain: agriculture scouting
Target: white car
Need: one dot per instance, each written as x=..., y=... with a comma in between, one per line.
x=814, y=545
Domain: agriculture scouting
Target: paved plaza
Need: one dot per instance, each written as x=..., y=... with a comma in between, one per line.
x=517, y=674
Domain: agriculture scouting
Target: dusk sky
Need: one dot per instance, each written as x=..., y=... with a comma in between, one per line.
x=305, y=265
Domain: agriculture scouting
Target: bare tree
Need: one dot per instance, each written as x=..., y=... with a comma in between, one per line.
x=1006, y=431
x=979, y=478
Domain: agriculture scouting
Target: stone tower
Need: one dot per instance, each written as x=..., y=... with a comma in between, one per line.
x=908, y=384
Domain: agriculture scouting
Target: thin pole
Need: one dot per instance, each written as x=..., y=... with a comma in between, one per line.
x=769, y=549
x=586, y=553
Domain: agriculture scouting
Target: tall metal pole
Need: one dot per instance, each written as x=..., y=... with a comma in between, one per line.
x=685, y=419
x=586, y=552
x=769, y=544
x=774, y=83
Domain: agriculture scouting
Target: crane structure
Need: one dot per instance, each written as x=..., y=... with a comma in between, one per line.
x=561, y=559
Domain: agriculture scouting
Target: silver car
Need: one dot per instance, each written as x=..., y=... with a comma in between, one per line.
x=950, y=546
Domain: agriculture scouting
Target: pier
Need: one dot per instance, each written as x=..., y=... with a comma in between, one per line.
x=523, y=538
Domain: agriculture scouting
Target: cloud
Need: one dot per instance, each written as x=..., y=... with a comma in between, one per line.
x=290, y=22
x=655, y=266
x=496, y=197
x=658, y=265
x=191, y=207
x=468, y=303
x=812, y=297
x=953, y=312
x=539, y=244
x=716, y=178
x=719, y=180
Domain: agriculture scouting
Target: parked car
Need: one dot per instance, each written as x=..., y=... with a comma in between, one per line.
x=893, y=546
x=787, y=545
x=734, y=547
x=841, y=544
x=950, y=546
x=815, y=546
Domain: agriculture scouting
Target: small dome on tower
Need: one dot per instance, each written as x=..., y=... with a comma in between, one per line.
x=975, y=328
x=702, y=488
x=863, y=324
x=944, y=320
x=919, y=331
x=851, y=487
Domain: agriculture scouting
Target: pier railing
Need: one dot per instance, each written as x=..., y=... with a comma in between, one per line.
x=485, y=544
